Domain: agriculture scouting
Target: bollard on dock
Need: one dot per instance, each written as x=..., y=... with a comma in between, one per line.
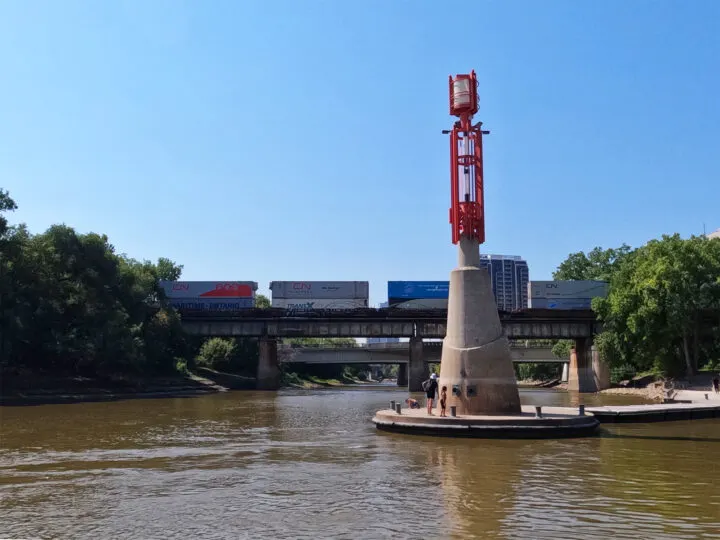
x=581, y=410
x=453, y=410
x=538, y=411
x=397, y=408
x=392, y=404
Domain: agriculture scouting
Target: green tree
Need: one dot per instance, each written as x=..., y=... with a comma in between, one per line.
x=656, y=315
x=598, y=264
x=216, y=353
x=71, y=305
x=262, y=301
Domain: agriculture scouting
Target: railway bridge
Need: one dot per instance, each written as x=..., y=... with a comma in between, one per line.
x=586, y=372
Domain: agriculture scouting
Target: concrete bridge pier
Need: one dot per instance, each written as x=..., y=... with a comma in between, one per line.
x=268, y=371
x=601, y=371
x=402, y=378
x=418, y=370
x=580, y=373
x=587, y=372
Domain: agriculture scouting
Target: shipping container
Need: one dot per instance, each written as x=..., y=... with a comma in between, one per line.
x=418, y=289
x=567, y=289
x=212, y=304
x=560, y=303
x=320, y=289
x=209, y=289
x=309, y=304
x=421, y=303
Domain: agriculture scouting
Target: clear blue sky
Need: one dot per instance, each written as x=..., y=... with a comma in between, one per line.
x=301, y=140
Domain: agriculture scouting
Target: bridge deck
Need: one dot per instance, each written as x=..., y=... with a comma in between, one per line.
x=527, y=324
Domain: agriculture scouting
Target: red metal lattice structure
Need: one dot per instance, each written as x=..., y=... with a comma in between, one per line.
x=467, y=211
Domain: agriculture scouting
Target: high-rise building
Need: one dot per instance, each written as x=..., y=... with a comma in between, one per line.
x=509, y=276
x=715, y=234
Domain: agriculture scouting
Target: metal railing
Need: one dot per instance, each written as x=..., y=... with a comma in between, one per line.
x=391, y=346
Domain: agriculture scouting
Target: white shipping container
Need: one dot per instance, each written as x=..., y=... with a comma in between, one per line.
x=209, y=289
x=309, y=304
x=212, y=304
x=567, y=289
x=320, y=289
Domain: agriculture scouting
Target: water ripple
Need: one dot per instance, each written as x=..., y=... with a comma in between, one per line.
x=310, y=465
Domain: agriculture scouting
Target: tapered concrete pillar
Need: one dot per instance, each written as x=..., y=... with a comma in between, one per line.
x=268, y=371
x=476, y=361
x=601, y=371
x=417, y=368
x=402, y=378
x=580, y=373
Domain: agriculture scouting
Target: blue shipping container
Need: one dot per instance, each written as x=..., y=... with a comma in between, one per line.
x=214, y=304
x=418, y=289
x=561, y=303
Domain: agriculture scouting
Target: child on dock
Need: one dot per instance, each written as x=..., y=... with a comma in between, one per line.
x=443, y=400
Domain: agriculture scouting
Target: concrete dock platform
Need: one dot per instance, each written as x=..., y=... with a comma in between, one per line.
x=555, y=422
x=662, y=412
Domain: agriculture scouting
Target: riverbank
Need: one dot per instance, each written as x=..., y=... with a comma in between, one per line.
x=309, y=382
x=688, y=389
x=41, y=390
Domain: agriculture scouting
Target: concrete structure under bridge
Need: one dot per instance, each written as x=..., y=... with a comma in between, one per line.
x=400, y=353
x=586, y=372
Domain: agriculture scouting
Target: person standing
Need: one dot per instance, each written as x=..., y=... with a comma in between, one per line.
x=431, y=387
x=443, y=400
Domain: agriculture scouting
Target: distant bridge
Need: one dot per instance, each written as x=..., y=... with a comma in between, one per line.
x=394, y=353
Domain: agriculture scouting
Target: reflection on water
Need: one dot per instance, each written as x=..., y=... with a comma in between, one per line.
x=309, y=464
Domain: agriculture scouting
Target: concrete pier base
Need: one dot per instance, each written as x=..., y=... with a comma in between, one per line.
x=402, y=378
x=565, y=373
x=417, y=368
x=476, y=363
x=601, y=371
x=268, y=371
x=587, y=371
x=554, y=422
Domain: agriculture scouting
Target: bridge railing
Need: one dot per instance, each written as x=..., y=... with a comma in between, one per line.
x=524, y=344
x=377, y=313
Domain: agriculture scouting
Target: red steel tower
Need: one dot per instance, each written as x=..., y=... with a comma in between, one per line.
x=467, y=211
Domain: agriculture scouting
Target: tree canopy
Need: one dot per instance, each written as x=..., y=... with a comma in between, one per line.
x=663, y=306
x=71, y=305
x=598, y=264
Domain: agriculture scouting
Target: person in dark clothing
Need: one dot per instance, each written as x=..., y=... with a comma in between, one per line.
x=431, y=387
x=716, y=384
x=443, y=400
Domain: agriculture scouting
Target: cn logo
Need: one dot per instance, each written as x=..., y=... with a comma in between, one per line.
x=180, y=287
x=300, y=286
x=551, y=285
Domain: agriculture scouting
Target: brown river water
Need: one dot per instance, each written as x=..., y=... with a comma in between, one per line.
x=310, y=464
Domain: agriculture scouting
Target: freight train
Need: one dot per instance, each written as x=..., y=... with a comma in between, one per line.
x=344, y=295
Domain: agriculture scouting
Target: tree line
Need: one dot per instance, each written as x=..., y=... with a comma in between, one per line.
x=71, y=305
x=662, y=312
